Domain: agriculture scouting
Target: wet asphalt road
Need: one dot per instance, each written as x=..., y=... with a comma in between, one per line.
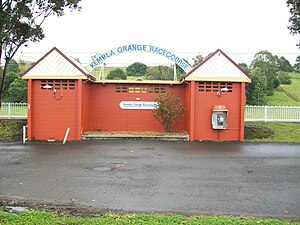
x=156, y=176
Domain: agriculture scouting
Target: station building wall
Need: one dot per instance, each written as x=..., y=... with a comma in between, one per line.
x=105, y=113
x=50, y=117
x=206, y=97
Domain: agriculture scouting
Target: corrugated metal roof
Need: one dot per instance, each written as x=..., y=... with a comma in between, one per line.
x=218, y=67
x=56, y=65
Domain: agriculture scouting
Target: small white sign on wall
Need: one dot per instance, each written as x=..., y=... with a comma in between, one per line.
x=137, y=105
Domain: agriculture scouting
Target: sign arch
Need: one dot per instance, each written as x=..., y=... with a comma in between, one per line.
x=99, y=59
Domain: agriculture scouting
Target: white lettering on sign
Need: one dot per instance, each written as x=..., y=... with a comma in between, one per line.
x=137, y=105
x=100, y=58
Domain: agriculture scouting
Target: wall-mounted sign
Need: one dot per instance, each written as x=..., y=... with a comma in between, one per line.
x=145, y=48
x=137, y=105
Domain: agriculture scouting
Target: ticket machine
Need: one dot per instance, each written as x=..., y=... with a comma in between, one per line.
x=219, y=117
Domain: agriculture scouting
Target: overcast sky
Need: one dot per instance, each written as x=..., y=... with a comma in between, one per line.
x=188, y=27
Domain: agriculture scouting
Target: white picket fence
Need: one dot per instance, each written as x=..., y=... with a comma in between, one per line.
x=12, y=110
x=266, y=113
x=252, y=113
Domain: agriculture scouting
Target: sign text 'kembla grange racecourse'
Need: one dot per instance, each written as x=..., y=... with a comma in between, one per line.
x=145, y=48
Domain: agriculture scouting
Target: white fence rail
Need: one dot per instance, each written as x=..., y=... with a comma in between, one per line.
x=11, y=110
x=272, y=113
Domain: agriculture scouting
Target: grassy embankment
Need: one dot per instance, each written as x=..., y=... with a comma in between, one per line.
x=289, y=94
x=38, y=217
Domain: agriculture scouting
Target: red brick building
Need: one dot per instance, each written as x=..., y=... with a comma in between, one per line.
x=62, y=94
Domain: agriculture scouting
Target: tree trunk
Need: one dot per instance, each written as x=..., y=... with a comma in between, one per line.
x=2, y=76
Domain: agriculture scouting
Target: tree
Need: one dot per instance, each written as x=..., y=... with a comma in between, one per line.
x=265, y=65
x=117, y=74
x=255, y=91
x=160, y=73
x=197, y=60
x=17, y=91
x=20, y=23
x=297, y=64
x=283, y=64
x=169, y=110
x=136, y=69
x=294, y=6
x=244, y=67
x=13, y=66
x=284, y=77
x=11, y=76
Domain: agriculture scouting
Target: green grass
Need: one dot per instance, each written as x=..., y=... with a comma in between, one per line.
x=280, y=98
x=45, y=218
x=293, y=88
x=283, y=132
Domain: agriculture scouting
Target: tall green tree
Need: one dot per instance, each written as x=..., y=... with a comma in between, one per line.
x=21, y=22
x=297, y=64
x=17, y=91
x=283, y=64
x=265, y=65
x=255, y=91
x=136, y=69
x=294, y=6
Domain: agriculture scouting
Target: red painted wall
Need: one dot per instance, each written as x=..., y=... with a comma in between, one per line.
x=95, y=106
x=51, y=117
x=106, y=114
x=203, y=112
x=85, y=106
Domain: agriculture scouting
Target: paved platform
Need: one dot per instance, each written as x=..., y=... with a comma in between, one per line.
x=149, y=135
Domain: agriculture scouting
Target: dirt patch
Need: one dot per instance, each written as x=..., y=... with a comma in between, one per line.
x=260, y=132
x=71, y=209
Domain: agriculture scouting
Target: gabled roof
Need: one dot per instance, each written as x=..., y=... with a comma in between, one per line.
x=218, y=67
x=56, y=65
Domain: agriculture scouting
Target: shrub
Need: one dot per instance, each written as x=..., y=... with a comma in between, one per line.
x=284, y=78
x=168, y=111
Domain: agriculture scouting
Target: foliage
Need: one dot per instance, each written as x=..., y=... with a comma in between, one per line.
x=117, y=74
x=17, y=91
x=283, y=64
x=245, y=67
x=168, y=111
x=284, y=77
x=294, y=6
x=10, y=77
x=13, y=66
x=160, y=73
x=38, y=217
x=136, y=69
x=297, y=64
x=11, y=130
x=20, y=23
x=264, y=67
x=197, y=60
x=255, y=91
